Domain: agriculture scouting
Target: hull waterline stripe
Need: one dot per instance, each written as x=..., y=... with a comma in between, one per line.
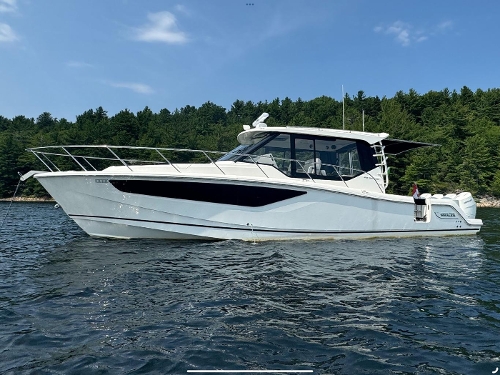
x=275, y=230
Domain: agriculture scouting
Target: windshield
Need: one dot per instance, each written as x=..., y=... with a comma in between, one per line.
x=274, y=150
x=302, y=156
x=233, y=154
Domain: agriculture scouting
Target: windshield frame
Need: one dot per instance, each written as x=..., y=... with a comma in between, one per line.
x=353, y=164
x=235, y=153
x=242, y=151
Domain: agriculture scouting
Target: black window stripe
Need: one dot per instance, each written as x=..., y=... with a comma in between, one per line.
x=233, y=194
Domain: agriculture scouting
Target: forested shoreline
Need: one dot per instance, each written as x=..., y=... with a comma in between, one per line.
x=465, y=125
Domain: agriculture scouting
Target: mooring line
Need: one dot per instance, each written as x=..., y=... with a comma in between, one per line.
x=11, y=200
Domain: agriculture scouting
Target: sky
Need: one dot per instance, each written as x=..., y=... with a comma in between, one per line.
x=68, y=56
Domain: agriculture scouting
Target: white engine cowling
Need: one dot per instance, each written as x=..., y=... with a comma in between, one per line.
x=467, y=204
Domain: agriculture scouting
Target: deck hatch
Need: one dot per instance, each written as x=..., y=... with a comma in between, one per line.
x=238, y=195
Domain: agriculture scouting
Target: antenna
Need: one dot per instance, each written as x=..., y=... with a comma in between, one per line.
x=343, y=109
x=363, y=120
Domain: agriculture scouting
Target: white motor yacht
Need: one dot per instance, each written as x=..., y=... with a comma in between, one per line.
x=279, y=183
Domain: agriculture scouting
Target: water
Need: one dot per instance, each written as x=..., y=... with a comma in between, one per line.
x=74, y=304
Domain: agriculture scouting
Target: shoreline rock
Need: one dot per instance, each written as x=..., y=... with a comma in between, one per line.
x=28, y=199
x=488, y=201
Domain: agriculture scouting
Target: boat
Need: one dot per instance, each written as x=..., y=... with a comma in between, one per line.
x=279, y=183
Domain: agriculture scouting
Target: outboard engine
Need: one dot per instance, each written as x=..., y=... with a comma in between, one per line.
x=467, y=204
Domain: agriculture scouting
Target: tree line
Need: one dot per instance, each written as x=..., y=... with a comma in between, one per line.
x=465, y=125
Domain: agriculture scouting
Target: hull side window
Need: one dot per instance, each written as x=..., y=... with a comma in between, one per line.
x=237, y=195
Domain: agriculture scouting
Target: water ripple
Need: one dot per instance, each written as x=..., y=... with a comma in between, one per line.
x=71, y=304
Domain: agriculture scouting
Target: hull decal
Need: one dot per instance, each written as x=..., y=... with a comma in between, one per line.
x=237, y=195
x=256, y=229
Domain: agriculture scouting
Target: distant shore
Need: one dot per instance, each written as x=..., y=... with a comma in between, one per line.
x=488, y=201
x=28, y=199
x=485, y=201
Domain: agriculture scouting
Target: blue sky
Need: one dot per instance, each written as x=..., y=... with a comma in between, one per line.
x=68, y=56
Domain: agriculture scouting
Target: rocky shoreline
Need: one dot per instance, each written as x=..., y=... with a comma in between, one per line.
x=486, y=201
x=28, y=199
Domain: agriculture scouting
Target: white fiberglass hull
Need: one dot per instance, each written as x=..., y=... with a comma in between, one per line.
x=319, y=212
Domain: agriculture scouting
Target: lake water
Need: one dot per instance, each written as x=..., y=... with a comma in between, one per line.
x=74, y=304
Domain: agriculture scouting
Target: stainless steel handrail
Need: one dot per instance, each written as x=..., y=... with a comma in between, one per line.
x=47, y=151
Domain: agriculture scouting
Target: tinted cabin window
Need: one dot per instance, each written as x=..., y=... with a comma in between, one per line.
x=317, y=157
x=304, y=156
x=332, y=158
x=233, y=194
x=274, y=151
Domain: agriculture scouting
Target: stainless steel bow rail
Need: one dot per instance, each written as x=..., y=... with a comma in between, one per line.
x=55, y=159
x=86, y=162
